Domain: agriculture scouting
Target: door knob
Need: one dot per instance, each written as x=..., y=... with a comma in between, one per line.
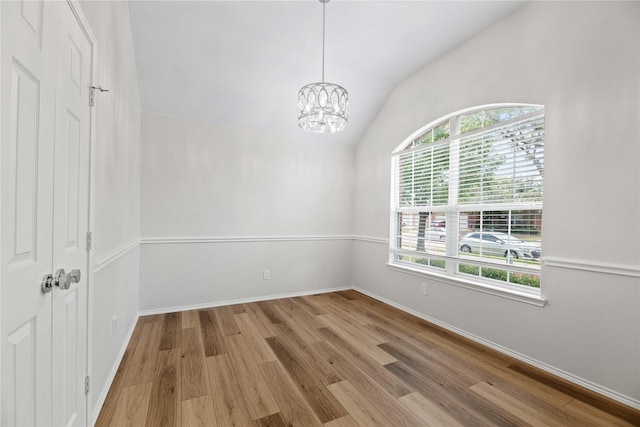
x=75, y=275
x=62, y=280
x=47, y=283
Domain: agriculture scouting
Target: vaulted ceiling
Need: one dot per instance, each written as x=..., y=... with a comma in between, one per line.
x=241, y=63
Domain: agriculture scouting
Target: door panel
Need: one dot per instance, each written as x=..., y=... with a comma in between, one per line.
x=27, y=114
x=23, y=163
x=70, y=215
x=22, y=362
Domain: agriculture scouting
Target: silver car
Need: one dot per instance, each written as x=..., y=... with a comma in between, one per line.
x=500, y=244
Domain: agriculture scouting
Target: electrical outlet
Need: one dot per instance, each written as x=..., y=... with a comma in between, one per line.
x=266, y=275
x=114, y=325
x=424, y=290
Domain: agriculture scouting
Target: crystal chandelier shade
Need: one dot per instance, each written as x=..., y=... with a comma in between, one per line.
x=322, y=107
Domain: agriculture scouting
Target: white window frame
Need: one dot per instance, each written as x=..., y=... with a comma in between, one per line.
x=451, y=259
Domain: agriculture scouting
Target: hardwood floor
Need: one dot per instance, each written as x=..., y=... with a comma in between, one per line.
x=339, y=359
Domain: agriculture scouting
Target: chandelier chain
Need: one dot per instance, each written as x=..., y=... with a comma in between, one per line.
x=324, y=7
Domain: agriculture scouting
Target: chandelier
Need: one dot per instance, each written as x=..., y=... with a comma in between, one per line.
x=322, y=107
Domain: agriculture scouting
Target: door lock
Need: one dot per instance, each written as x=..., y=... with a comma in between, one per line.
x=62, y=280
x=75, y=275
x=47, y=283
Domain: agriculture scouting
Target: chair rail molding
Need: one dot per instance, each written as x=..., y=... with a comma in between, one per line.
x=237, y=239
x=112, y=256
x=592, y=266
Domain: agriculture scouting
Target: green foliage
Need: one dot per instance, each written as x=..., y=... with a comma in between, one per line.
x=525, y=279
x=437, y=263
x=431, y=262
x=531, y=280
x=469, y=269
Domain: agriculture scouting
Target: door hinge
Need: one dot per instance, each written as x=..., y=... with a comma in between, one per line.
x=92, y=94
x=89, y=241
x=87, y=384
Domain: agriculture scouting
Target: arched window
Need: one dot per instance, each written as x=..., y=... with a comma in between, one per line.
x=467, y=197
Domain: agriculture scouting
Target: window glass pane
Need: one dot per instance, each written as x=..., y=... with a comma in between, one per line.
x=433, y=134
x=503, y=165
x=425, y=138
x=441, y=132
x=424, y=177
x=422, y=232
x=502, y=237
x=473, y=121
x=501, y=275
x=485, y=118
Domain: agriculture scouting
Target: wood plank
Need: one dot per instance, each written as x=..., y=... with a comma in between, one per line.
x=212, y=338
x=132, y=406
x=170, y=331
x=228, y=403
x=195, y=381
x=111, y=401
x=588, y=415
x=358, y=406
x=518, y=408
x=137, y=331
x=428, y=412
x=300, y=313
x=267, y=310
x=226, y=320
x=255, y=391
x=347, y=421
x=369, y=388
x=357, y=340
x=307, y=356
x=291, y=323
x=422, y=362
x=190, y=319
x=488, y=369
x=345, y=309
x=238, y=309
x=353, y=322
x=260, y=321
x=143, y=362
x=273, y=420
x=460, y=403
x=199, y=412
x=311, y=305
x=348, y=294
x=362, y=360
x=324, y=405
x=259, y=348
x=579, y=393
x=165, y=406
x=295, y=410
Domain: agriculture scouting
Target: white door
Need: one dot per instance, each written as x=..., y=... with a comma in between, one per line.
x=46, y=71
x=71, y=221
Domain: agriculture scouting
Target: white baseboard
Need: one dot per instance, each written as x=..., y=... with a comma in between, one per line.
x=619, y=397
x=241, y=301
x=112, y=374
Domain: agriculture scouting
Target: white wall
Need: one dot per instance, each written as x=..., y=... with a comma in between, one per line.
x=581, y=60
x=117, y=191
x=205, y=183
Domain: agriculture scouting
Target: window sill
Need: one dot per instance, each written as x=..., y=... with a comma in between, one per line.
x=532, y=297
